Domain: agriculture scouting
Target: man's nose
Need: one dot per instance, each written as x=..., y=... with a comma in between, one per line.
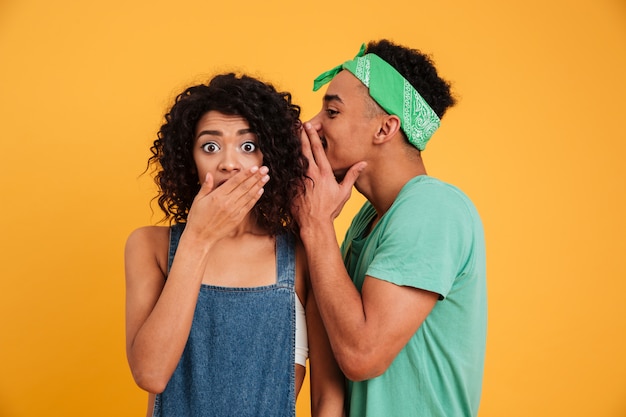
x=316, y=122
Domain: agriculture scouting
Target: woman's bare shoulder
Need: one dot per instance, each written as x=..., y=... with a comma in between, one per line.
x=147, y=234
x=147, y=245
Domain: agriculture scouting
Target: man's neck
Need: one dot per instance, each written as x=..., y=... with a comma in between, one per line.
x=383, y=178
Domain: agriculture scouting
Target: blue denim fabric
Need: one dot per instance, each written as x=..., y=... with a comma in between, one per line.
x=239, y=358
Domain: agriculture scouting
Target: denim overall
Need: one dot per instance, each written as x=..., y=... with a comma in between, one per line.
x=239, y=358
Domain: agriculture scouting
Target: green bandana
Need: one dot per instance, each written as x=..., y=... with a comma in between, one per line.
x=392, y=92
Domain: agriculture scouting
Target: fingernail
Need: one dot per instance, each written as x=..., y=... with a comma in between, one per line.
x=263, y=170
x=265, y=178
x=307, y=125
x=254, y=169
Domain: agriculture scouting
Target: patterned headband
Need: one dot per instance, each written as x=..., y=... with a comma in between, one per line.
x=392, y=92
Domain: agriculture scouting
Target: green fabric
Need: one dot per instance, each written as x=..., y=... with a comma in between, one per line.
x=431, y=238
x=392, y=92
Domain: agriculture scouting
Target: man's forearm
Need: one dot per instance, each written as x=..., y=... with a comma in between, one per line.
x=339, y=302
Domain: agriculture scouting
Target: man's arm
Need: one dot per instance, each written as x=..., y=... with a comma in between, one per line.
x=367, y=329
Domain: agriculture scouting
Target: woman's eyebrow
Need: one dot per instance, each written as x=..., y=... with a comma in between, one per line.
x=210, y=132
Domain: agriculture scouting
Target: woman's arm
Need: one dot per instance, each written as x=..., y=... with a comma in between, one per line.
x=326, y=380
x=159, y=313
x=150, y=410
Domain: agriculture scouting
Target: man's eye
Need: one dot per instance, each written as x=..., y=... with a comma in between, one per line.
x=248, y=147
x=210, y=147
x=331, y=112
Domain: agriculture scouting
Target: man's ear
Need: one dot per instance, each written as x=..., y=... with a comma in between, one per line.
x=388, y=128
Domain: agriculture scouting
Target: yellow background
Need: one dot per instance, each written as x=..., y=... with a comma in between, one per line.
x=537, y=141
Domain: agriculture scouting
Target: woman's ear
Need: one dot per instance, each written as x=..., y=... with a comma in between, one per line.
x=389, y=127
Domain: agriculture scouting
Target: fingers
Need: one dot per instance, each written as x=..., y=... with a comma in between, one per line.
x=353, y=173
x=207, y=185
x=216, y=211
x=315, y=147
x=306, y=144
x=242, y=190
x=249, y=180
x=248, y=192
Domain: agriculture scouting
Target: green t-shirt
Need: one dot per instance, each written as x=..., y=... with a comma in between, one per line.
x=430, y=238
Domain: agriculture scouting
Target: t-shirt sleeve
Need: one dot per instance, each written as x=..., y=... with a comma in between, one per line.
x=424, y=240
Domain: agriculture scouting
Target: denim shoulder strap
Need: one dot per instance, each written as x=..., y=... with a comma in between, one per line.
x=286, y=259
x=175, y=232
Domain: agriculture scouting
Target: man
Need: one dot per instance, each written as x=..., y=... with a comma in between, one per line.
x=404, y=298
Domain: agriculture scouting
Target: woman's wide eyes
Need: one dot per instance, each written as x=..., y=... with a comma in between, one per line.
x=248, y=147
x=210, y=147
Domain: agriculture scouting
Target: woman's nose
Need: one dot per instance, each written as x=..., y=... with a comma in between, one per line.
x=229, y=162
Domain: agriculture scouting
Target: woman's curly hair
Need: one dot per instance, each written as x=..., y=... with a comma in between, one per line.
x=271, y=116
x=418, y=69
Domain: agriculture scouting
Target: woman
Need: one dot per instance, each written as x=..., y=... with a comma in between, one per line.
x=215, y=303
